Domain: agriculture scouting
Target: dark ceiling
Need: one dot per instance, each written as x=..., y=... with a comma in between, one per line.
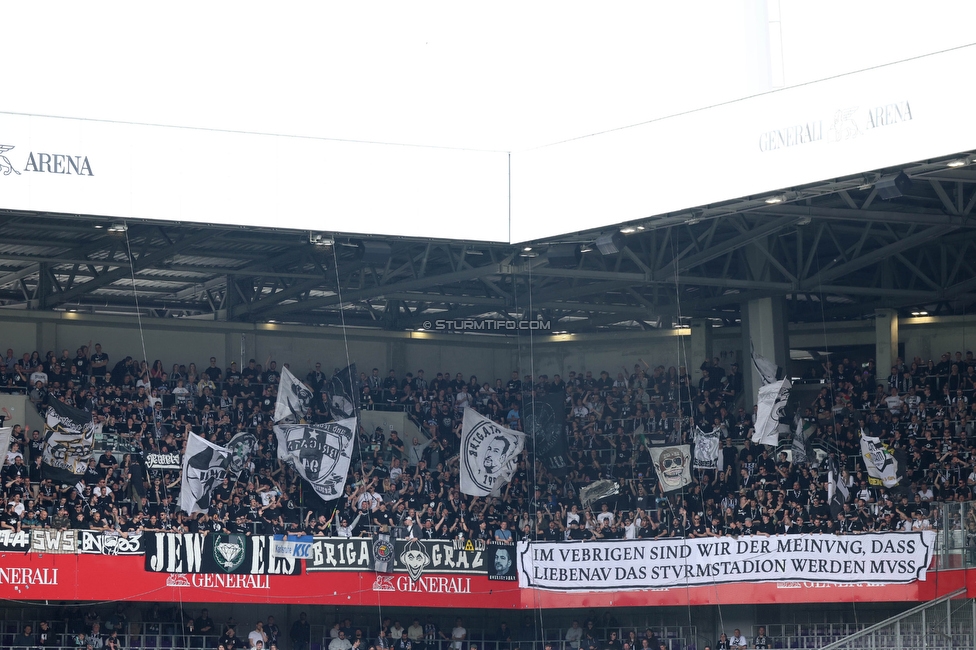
x=835, y=250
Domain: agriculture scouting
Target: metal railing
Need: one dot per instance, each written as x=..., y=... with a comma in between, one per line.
x=941, y=624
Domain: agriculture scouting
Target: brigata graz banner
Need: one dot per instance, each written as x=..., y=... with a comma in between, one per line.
x=894, y=558
x=414, y=558
x=193, y=553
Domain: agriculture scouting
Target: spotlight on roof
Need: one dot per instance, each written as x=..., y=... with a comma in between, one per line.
x=958, y=162
x=610, y=244
x=118, y=227
x=563, y=255
x=891, y=187
x=318, y=239
x=628, y=230
x=776, y=198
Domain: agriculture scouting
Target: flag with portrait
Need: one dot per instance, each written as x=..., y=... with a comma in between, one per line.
x=770, y=411
x=320, y=453
x=294, y=398
x=489, y=454
x=69, y=437
x=204, y=468
x=241, y=448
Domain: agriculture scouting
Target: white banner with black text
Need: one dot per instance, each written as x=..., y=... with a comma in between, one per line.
x=894, y=558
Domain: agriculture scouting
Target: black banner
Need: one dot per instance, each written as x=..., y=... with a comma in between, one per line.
x=545, y=423
x=344, y=393
x=416, y=558
x=14, y=542
x=502, y=564
x=193, y=553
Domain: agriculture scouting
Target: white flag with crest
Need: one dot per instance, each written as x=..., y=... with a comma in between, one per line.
x=320, y=453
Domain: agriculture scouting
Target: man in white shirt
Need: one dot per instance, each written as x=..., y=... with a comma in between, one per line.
x=38, y=376
x=458, y=635
x=340, y=642
x=257, y=634
x=605, y=516
x=574, y=634
x=737, y=640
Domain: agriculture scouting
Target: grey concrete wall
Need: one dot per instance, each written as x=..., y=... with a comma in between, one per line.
x=488, y=357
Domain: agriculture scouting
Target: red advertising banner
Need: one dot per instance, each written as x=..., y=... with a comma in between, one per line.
x=34, y=576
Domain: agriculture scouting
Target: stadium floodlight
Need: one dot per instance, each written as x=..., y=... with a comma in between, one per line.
x=610, y=244
x=318, y=239
x=894, y=186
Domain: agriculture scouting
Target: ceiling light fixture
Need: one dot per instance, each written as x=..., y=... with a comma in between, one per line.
x=118, y=227
x=318, y=239
x=628, y=230
x=776, y=198
x=958, y=162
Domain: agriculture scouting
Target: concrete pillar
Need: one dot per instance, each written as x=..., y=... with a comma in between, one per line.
x=47, y=338
x=239, y=347
x=765, y=328
x=885, y=341
x=701, y=346
x=396, y=357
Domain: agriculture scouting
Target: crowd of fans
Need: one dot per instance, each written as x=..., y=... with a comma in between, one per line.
x=925, y=411
x=183, y=627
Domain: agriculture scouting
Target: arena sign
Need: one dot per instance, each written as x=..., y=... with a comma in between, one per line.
x=891, y=558
x=414, y=558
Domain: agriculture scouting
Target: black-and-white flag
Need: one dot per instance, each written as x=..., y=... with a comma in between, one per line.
x=489, y=454
x=5, y=442
x=344, y=393
x=801, y=434
x=204, y=467
x=241, y=448
x=768, y=371
x=770, y=411
x=837, y=492
x=596, y=491
x=69, y=436
x=883, y=467
x=320, y=453
x=294, y=398
x=708, y=449
x=673, y=466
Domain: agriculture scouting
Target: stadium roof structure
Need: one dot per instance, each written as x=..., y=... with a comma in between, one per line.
x=621, y=169
x=834, y=249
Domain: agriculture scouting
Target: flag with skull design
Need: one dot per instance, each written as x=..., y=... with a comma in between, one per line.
x=320, y=453
x=673, y=466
